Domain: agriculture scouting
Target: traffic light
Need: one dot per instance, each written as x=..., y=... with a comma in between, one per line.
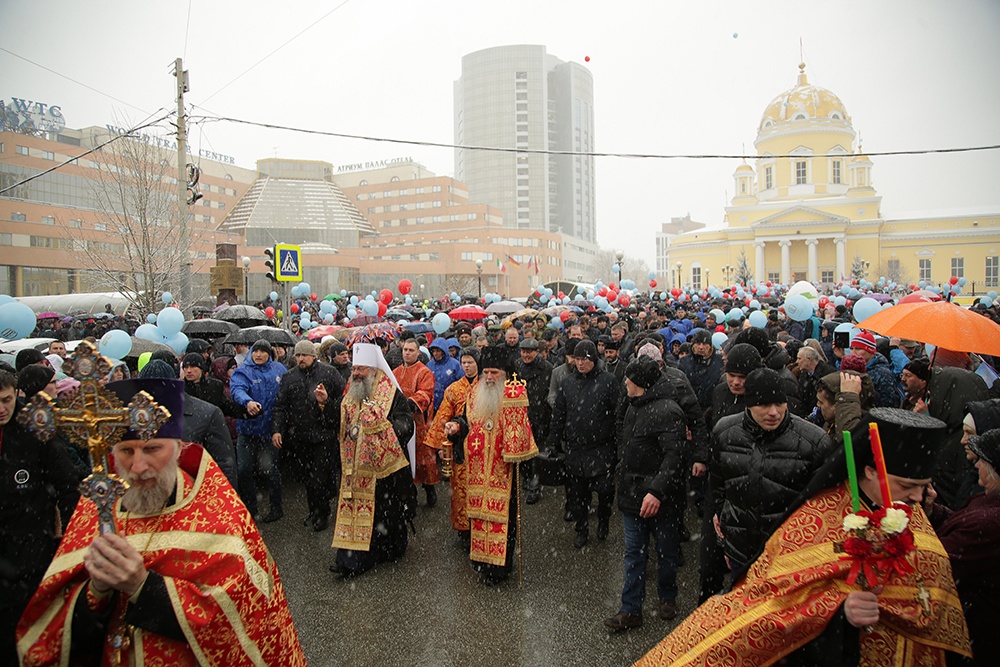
x=193, y=176
x=272, y=264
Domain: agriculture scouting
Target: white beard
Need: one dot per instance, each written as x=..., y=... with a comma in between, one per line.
x=151, y=499
x=361, y=390
x=486, y=404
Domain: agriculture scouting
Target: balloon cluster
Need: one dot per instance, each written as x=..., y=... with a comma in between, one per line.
x=16, y=319
x=163, y=327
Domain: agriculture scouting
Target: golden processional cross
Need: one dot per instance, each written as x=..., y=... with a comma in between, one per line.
x=96, y=419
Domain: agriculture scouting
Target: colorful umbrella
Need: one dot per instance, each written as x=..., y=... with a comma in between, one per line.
x=370, y=332
x=316, y=333
x=939, y=323
x=469, y=312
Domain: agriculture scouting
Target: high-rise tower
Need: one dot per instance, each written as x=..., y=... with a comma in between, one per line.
x=521, y=98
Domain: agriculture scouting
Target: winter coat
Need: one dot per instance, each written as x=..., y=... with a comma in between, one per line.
x=809, y=383
x=651, y=451
x=212, y=390
x=537, y=375
x=693, y=415
x=948, y=392
x=849, y=408
x=757, y=474
x=886, y=390
x=583, y=422
x=252, y=382
x=297, y=415
x=205, y=424
x=703, y=374
x=446, y=371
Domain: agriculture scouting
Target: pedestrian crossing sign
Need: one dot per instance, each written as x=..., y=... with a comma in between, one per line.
x=289, y=259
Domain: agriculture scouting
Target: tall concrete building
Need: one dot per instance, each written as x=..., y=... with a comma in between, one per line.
x=524, y=99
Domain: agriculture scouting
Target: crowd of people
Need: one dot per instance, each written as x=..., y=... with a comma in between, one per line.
x=645, y=407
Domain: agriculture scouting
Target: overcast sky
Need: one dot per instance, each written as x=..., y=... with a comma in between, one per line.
x=669, y=78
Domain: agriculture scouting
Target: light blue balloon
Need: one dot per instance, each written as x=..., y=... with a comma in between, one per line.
x=842, y=327
x=167, y=298
x=720, y=316
x=178, y=342
x=151, y=318
x=304, y=289
x=408, y=301
x=922, y=284
x=798, y=308
x=170, y=321
x=148, y=332
x=615, y=269
x=544, y=298
x=354, y=300
x=993, y=294
x=755, y=305
x=556, y=324
x=6, y=298
x=757, y=319
x=865, y=308
x=370, y=308
x=763, y=290
x=274, y=296
x=719, y=339
x=115, y=344
x=887, y=304
x=735, y=315
x=295, y=292
x=454, y=296
x=16, y=320
x=441, y=323
x=343, y=292
x=840, y=300
x=663, y=296
x=962, y=282
x=369, y=298
x=651, y=275
x=986, y=301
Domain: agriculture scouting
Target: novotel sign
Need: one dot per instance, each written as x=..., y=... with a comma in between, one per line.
x=375, y=164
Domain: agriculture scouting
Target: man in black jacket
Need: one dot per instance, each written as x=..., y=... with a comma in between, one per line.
x=703, y=367
x=198, y=383
x=651, y=474
x=583, y=423
x=536, y=373
x=307, y=419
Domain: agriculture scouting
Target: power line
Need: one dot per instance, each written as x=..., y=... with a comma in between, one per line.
x=289, y=41
x=113, y=139
x=187, y=31
x=69, y=78
x=529, y=151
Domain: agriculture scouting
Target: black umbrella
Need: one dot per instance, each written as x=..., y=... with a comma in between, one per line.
x=272, y=335
x=208, y=328
x=242, y=316
x=141, y=345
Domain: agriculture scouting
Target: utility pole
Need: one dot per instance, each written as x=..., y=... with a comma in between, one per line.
x=182, y=185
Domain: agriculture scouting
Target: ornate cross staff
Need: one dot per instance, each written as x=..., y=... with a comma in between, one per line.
x=97, y=419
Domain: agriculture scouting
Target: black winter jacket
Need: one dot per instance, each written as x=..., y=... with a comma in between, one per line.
x=757, y=474
x=211, y=390
x=583, y=422
x=537, y=377
x=297, y=415
x=651, y=451
x=703, y=374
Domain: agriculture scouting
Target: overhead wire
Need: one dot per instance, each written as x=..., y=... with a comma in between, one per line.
x=538, y=151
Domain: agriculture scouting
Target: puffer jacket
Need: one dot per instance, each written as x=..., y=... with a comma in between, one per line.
x=251, y=382
x=583, y=422
x=297, y=415
x=757, y=474
x=446, y=371
x=651, y=451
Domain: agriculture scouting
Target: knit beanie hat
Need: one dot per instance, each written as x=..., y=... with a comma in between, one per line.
x=919, y=367
x=701, y=336
x=764, y=387
x=643, y=372
x=337, y=348
x=28, y=356
x=864, y=341
x=193, y=359
x=742, y=358
x=32, y=379
x=586, y=350
x=262, y=344
x=853, y=362
x=306, y=347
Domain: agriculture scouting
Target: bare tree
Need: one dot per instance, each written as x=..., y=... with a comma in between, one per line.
x=859, y=268
x=894, y=272
x=632, y=268
x=140, y=254
x=743, y=273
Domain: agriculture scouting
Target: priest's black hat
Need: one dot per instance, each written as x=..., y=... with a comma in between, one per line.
x=167, y=392
x=495, y=357
x=911, y=442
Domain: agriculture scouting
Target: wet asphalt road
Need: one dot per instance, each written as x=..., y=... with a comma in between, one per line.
x=430, y=609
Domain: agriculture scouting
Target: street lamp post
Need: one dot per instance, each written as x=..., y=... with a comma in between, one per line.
x=679, y=274
x=246, y=280
x=479, y=275
x=727, y=273
x=707, y=283
x=619, y=256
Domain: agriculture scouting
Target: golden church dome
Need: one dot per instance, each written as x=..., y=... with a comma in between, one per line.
x=804, y=102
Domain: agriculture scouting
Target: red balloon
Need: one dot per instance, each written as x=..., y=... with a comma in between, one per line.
x=953, y=280
x=652, y=284
x=385, y=296
x=613, y=286
x=612, y=295
x=382, y=308
x=586, y=59
x=603, y=291
x=848, y=303
x=269, y=311
x=313, y=296
x=720, y=328
x=624, y=301
x=676, y=292
x=404, y=286
x=565, y=315
x=294, y=308
x=561, y=295
x=823, y=301
x=754, y=289
x=768, y=283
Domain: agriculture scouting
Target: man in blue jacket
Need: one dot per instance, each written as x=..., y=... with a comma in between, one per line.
x=254, y=386
x=446, y=368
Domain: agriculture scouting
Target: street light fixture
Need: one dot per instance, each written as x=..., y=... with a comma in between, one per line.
x=619, y=256
x=246, y=280
x=727, y=272
x=479, y=272
x=679, y=274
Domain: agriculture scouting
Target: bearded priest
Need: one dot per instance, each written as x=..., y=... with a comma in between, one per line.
x=496, y=436
x=185, y=580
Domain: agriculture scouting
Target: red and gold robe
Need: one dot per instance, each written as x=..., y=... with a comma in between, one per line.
x=369, y=451
x=452, y=405
x=417, y=383
x=492, y=447
x=797, y=585
x=223, y=585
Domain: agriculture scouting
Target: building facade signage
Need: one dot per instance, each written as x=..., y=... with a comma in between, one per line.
x=170, y=144
x=374, y=164
x=30, y=117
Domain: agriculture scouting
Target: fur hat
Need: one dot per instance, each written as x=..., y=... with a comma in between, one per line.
x=495, y=357
x=643, y=372
x=919, y=367
x=764, y=386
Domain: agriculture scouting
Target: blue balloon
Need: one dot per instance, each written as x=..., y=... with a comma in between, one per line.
x=544, y=298
x=304, y=288
x=328, y=319
x=556, y=324
x=757, y=319
x=170, y=321
x=274, y=296
x=865, y=308
x=763, y=290
x=16, y=320
x=151, y=318
x=993, y=294
x=370, y=308
x=719, y=339
x=115, y=344
x=6, y=298
x=148, y=332
x=178, y=342
x=615, y=269
x=167, y=298
x=755, y=305
x=651, y=275
x=343, y=292
x=962, y=282
x=295, y=292
x=354, y=300
x=986, y=301
x=798, y=308
x=840, y=300
x=922, y=284
x=408, y=301
x=735, y=315
x=441, y=323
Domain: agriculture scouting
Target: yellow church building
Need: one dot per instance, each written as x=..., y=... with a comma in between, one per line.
x=808, y=211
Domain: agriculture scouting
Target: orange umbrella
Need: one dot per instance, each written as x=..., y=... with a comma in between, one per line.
x=939, y=323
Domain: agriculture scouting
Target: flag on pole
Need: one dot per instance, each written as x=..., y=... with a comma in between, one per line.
x=503, y=269
x=986, y=372
x=512, y=261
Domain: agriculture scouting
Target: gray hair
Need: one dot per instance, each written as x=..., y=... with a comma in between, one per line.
x=809, y=353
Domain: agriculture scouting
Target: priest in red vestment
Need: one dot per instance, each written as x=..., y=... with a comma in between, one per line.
x=795, y=604
x=417, y=383
x=497, y=436
x=453, y=403
x=186, y=580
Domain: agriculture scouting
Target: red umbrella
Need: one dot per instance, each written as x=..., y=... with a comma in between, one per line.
x=469, y=312
x=323, y=330
x=921, y=296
